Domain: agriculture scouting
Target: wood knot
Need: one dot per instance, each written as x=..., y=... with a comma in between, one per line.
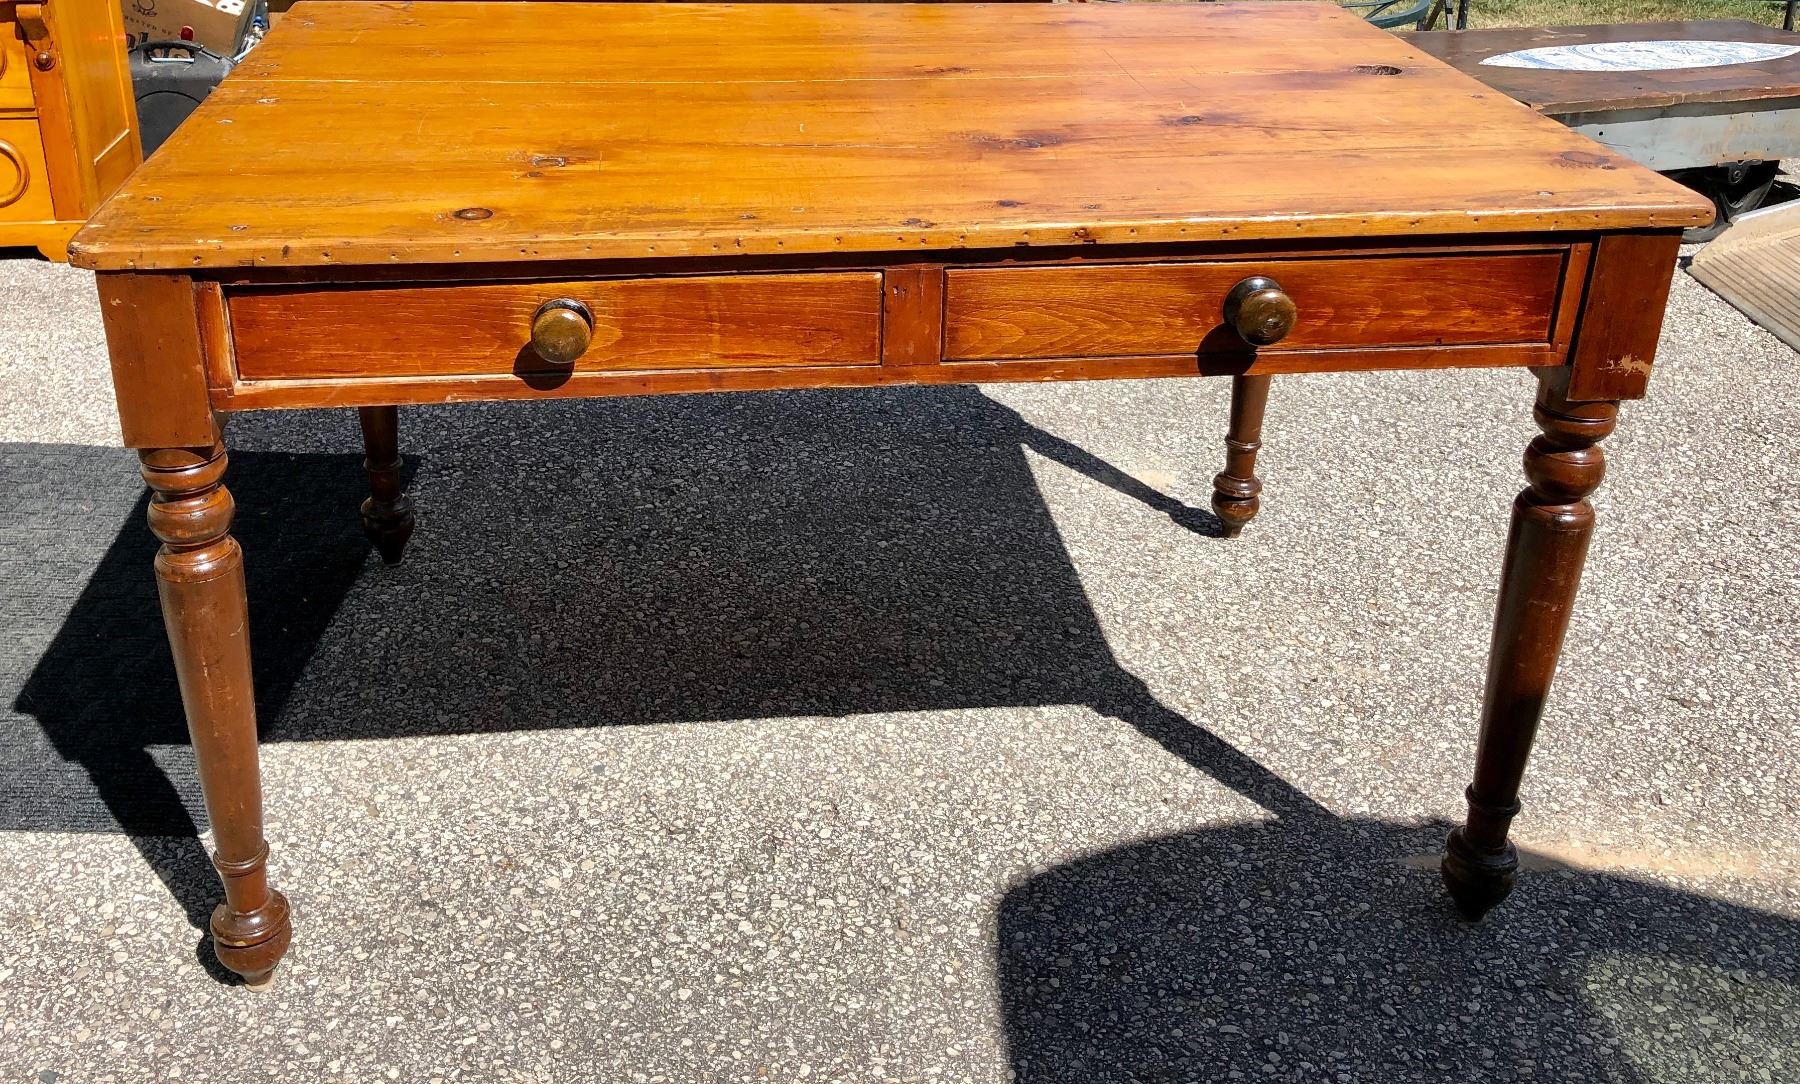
x=1586, y=160
x=472, y=214
x=1376, y=69
x=1024, y=141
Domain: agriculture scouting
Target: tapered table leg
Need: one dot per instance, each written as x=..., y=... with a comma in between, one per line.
x=1551, y=523
x=387, y=514
x=200, y=576
x=1237, y=490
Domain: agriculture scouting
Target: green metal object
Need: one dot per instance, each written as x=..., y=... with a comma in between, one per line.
x=1397, y=14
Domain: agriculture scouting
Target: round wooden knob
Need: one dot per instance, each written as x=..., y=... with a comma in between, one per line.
x=561, y=331
x=1260, y=311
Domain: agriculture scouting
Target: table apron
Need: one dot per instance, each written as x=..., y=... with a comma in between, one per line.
x=300, y=344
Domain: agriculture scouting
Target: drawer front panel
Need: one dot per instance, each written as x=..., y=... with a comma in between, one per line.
x=696, y=322
x=15, y=64
x=1142, y=310
x=24, y=188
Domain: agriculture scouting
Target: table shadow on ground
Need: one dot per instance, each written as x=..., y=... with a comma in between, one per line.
x=713, y=558
x=1317, y=948
x=629, y=561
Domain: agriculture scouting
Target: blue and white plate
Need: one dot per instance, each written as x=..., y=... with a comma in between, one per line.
x=1641, y=56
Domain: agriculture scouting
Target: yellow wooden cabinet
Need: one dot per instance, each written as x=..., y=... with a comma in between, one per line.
x=68, y=124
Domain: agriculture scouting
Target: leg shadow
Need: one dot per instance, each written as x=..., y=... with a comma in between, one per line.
x=1130, y=701
x=1198, y=520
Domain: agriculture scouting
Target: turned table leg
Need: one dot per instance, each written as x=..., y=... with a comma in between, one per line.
x=200, y=576
x=1236, y=489
x=1551, y=523
x=387, y=514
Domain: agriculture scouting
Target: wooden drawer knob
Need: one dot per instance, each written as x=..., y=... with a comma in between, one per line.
x=1260, y=311
x=561, y=330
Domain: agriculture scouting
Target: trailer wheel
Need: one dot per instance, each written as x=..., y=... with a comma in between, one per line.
x=1735, y=189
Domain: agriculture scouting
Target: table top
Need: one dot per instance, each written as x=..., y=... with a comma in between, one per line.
x=1560, y=92
x=394, y=133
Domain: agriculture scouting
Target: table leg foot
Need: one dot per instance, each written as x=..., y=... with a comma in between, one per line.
x=387, y=514
x=1237, y=491
x=253, y=944
x=200, y=578
x=1477, y=880
x=1545, y=550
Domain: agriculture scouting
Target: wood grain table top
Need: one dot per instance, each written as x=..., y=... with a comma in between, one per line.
x=1561, y=92
x=367, y=134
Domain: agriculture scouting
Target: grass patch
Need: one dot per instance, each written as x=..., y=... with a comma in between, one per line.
x=1578, y=12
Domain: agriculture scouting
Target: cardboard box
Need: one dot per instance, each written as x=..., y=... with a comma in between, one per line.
x=219, y=25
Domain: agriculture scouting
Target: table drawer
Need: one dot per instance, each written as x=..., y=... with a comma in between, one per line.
x=477, y=328
x=24, y=183
x=15, y=69
x=1353, y=302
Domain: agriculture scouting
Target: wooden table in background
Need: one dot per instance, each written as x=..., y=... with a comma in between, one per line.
x=1722, y=129
x=391, y=204
x=1558, y=93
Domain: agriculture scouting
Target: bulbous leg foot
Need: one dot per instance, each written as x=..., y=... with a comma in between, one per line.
x=1477, y=880
x=252, y=944
x=1235, y=501
x=389, y=525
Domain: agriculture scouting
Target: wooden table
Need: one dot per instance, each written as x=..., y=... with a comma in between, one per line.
x=391, y=204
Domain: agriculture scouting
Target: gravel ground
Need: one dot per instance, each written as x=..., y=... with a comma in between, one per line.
x=912, y=735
